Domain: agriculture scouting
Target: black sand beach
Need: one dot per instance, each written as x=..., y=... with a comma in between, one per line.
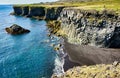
x=88, y=55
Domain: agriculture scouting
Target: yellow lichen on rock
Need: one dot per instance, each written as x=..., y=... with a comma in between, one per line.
x=95, y=71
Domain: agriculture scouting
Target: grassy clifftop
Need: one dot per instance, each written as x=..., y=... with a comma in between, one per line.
x=84, y=0
x=83, y=4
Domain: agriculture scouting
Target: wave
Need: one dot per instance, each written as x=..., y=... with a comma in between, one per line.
x=59, y=62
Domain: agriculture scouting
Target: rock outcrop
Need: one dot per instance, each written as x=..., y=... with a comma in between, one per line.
x=94, y=28
x=95, y=71
x=16, y=29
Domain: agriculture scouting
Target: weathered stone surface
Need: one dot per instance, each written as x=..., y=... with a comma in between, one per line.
x=16, y=29
x=94, y=28
x=95, y=71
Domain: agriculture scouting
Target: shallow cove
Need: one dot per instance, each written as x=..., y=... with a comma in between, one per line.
x=27, y=55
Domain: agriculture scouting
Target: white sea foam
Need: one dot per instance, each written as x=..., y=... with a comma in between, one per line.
x=59, y=62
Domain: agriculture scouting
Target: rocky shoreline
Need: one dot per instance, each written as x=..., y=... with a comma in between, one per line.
x=91, y=37
x=91, y=27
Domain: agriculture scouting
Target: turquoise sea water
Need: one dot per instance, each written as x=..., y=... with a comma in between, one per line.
x=27, y=55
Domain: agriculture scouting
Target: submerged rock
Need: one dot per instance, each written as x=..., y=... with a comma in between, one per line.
x=16, y=29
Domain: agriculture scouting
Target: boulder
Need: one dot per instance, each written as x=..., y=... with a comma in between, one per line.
x=16, y=29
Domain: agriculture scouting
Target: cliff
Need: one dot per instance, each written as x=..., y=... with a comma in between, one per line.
x=91, y=32
x=91, y=27
x=38, y=12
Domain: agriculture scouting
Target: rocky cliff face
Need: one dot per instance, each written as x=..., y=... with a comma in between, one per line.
x=36, y=11
x=51, y=13
x=18, y=10
x=85, y=27
x=94, y=28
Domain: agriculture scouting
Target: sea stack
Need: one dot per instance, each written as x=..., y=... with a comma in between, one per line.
x=16, y=29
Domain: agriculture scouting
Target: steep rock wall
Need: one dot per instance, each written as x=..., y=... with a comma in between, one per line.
x=25, y=10
x=85, y=27
x=36, y=11
x=51, y=13
x=94, y=28
x=17, y=10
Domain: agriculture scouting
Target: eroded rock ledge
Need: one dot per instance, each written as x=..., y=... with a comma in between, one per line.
x=50, y=13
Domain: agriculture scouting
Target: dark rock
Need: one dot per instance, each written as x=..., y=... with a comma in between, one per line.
x=36, y=11
x=25, y=10
x=18, y=10
x=16, y=29
x=91, y=27
x=53, y=13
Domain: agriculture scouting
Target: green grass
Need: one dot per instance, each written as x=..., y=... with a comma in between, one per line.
x=96, y=5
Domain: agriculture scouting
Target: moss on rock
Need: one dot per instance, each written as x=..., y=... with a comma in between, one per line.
x=95, y=71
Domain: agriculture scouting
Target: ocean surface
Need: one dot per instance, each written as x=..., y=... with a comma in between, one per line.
x=27, y=55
